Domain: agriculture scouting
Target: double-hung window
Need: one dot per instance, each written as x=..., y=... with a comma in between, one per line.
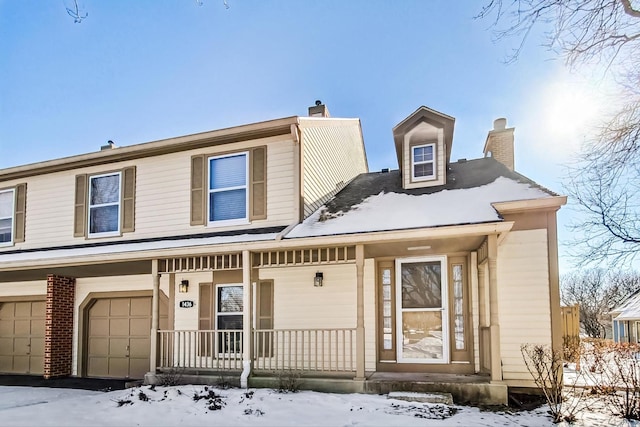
x=423, y=164
x=7, y=198
x=228, y=192
x=104, y=204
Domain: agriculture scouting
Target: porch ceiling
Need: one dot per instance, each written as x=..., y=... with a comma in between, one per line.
x=96, y=270
x=427, y=247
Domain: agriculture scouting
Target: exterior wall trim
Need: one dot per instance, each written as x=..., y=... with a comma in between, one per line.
x=155, y=148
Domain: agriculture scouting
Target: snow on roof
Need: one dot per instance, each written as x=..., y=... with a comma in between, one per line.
x=396, y=211
x=135, y=247
x=630, y=309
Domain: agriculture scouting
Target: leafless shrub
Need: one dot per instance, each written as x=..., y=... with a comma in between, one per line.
x=170, y=377
x=614, y=371
x=289, y=381
x=571, y=348
x=545, y=366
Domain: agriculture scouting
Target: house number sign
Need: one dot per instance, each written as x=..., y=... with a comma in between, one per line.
x=187, y=304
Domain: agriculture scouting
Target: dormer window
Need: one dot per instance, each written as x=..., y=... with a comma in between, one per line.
x=423, y=162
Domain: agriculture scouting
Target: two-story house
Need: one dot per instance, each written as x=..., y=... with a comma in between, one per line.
x=269, y=247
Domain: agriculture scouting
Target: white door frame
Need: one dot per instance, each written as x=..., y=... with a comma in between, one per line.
x=444, y=309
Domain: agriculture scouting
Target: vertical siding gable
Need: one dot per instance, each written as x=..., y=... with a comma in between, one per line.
x=332, y=155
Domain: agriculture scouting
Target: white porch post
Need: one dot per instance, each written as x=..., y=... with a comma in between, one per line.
x=155, y=317
x=360, y=312
x=494, y=320
x=247, y=310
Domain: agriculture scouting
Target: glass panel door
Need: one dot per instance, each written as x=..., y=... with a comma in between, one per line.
x=422, y=314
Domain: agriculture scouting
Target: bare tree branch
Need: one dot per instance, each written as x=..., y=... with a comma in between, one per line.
x=605, y=178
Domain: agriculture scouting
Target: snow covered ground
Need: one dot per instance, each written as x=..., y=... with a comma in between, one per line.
x=173, y=406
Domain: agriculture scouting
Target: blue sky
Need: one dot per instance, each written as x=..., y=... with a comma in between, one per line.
x=135, y=72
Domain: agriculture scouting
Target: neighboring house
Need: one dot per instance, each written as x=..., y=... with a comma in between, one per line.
x=269, y=247
x=626, y=320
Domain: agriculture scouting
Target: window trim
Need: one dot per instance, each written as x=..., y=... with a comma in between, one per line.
x=216, y=313
x=234, y=221
x=118, y=231
x=12, y=217
x=433, y=176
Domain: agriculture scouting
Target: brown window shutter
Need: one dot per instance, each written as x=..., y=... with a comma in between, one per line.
x=258, y=181
x=265, y=317
x=128, y=199
x=205, y=311
x=80, y=212
x=205, y=319
x=198, y=193
x=20, y=211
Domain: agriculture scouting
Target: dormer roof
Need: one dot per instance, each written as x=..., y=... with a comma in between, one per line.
x=429, y=116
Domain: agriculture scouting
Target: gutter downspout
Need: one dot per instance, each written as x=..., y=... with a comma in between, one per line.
x=247, y=351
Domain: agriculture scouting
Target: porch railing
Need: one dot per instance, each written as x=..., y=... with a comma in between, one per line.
x=317, y=350
x=205, y=349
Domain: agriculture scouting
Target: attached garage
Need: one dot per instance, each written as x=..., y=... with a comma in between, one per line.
x=119, y=336
x=22, y=337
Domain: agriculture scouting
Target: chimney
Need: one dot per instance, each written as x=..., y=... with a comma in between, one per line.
x=499, y=144
x=319, y=110
x=110, y=146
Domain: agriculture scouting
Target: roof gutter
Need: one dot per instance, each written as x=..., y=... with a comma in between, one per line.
x=267, y=245
x=182, y=143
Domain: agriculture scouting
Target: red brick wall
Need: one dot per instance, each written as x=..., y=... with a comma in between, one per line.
x=58, y=334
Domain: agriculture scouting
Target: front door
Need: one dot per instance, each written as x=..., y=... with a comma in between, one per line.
x=421, y=314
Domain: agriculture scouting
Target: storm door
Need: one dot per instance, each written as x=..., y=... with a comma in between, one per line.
x=421, y=315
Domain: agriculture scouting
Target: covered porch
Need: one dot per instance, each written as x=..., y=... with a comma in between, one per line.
x=348, y=355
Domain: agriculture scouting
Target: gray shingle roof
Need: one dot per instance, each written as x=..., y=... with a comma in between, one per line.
x=461, y=175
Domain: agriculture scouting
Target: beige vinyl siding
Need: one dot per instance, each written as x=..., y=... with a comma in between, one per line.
x=332, y=155
x=161, y=199
x=300, y=305
x=187, y=318
x=523, y=292
x=19, y=289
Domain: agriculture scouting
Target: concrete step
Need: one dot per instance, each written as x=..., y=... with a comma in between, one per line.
x=433, y=397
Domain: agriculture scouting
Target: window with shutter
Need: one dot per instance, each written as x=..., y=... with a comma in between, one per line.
x=105, y=204
x=229, y=189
